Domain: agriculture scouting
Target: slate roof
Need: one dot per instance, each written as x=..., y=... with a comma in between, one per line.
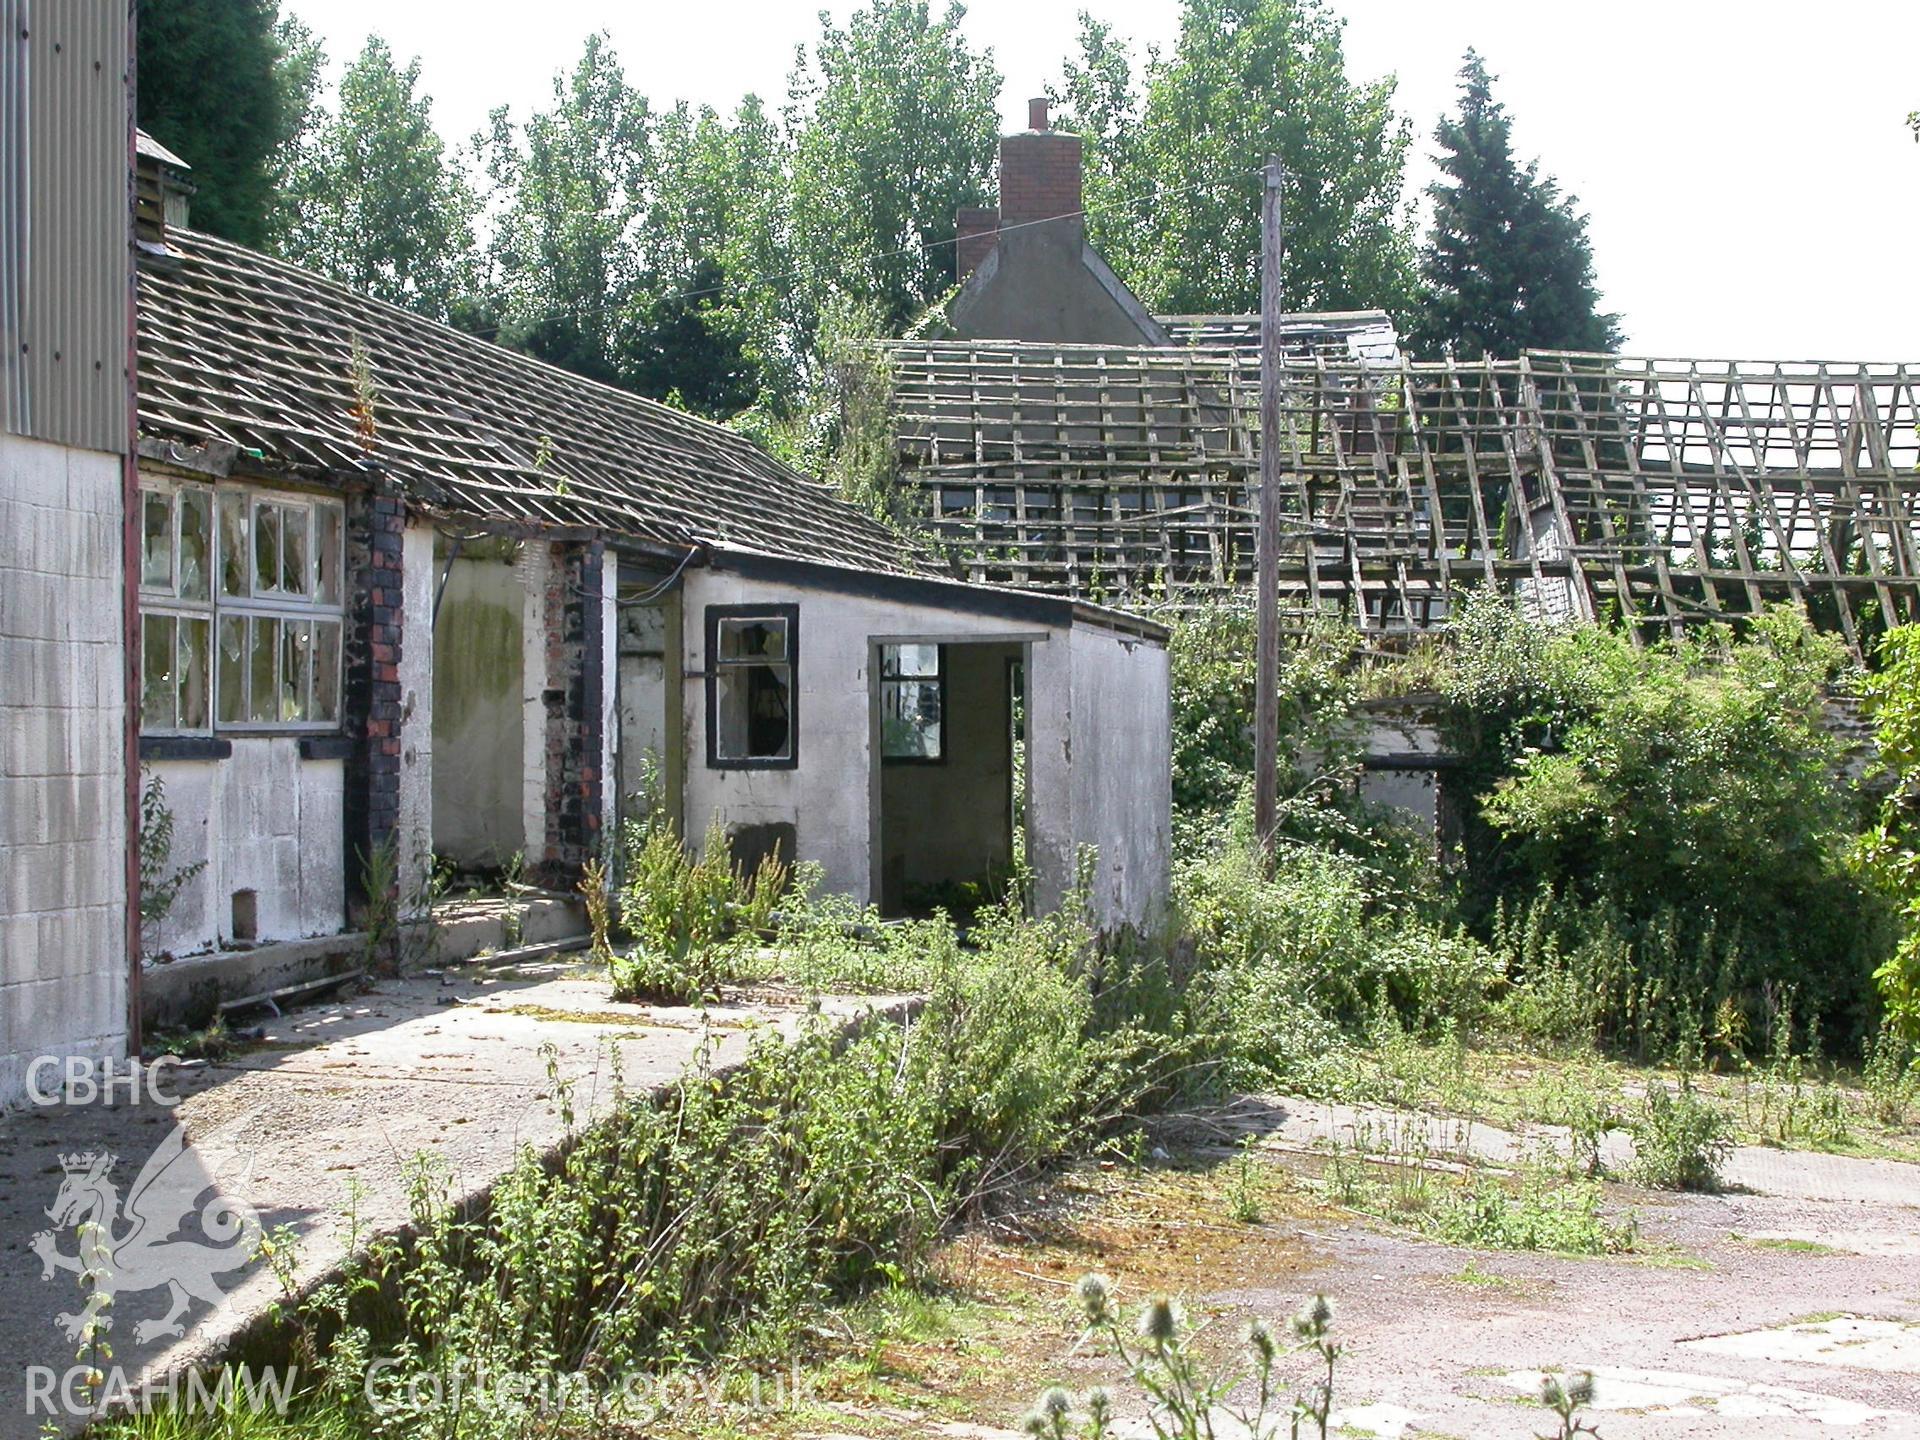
x=238, y=347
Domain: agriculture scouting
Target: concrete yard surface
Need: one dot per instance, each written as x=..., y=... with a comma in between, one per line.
x=324, y=1110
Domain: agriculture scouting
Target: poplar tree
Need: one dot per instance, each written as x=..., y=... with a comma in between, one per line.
x=370, y=196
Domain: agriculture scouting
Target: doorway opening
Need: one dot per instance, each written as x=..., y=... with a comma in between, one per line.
x=951, y=760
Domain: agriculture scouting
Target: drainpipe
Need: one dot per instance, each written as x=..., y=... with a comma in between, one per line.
x=130, y=563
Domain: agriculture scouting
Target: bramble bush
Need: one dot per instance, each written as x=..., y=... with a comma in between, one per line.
x=1888, y=853
x=1663, y=828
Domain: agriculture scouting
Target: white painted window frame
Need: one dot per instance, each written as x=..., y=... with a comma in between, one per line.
x=255, y=606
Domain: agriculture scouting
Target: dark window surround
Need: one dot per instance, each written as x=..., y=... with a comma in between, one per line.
x=220, y=747
x=791, y=615
x=939, y=678
x=185, y=747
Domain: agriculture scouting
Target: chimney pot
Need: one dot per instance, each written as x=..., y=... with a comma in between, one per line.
x=1037, y=114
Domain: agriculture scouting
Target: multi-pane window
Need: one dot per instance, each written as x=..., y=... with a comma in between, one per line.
x=241, y=600
x=913, y=701
x=750, y=690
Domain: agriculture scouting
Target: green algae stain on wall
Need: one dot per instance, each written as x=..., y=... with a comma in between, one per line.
x=478, y=755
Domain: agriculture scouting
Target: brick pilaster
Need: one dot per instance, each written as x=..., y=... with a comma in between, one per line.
x=376, y=526
x=576, y=688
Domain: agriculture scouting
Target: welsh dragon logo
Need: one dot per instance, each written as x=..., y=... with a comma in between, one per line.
x=138, y=1246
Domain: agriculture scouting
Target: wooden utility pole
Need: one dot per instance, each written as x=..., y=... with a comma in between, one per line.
x=1266, y=701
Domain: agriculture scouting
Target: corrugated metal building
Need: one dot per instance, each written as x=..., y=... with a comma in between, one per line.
x=66, y=135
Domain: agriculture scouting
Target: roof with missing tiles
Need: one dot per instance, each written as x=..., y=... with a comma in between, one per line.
x=1337, y=335
x=241, y=349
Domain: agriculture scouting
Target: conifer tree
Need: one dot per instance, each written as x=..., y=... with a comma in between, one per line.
x=1507, y=265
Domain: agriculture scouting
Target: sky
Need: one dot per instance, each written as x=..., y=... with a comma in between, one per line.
x=1754, y=191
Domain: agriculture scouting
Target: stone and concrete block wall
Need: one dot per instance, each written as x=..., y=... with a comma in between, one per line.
x=63, y=836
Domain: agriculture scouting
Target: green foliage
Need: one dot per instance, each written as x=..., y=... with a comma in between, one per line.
x=1663, y=827
x=895, y=124
x=370, y=197
x=1507, y=265
x=569, y=186
x=841, y=428
x=1680, y=1140
x=1566, y=1396
x=1303, y=949
x=219, y=90
x=680, y=907
x=1211, y=659
x=717, y=1220
x=1889, y=852
x=1174, y=153
x=1541, y=1213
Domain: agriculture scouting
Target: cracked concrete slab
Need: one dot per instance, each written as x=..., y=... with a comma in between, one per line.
x=1853, y=1340
x=1678, y=1395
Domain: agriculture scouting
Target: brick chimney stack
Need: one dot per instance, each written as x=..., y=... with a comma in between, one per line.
x=1039, y=172
x=1039, y=180
x=977, y=228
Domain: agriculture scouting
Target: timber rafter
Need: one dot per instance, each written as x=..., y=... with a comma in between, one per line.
x=1672, y=491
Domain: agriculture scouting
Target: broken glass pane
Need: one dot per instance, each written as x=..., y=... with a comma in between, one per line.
x=293, y=550
x=196, y=543
x=754, y=720
x=266, y=549
x=296, y=665
x=910, y=716
x=263, y=691
x=326, y=553
x=233, y=543
x=193, y=678
x=326, y=671
x=156, y=555
x=753, y=639
x=231, y=689
x=919, y=662
x=156, y=670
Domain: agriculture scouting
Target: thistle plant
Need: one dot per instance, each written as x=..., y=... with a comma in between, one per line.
x=1566, y=1397
x=1184, y=1393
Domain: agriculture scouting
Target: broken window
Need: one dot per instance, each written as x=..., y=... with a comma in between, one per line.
x=241, y=609
x=913, y=701
x=752, y=653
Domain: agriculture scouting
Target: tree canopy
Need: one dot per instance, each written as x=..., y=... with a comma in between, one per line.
x=212, y=88
x=895, y=124
x=370, y=196
x=1175, y=150
x=1507, y=265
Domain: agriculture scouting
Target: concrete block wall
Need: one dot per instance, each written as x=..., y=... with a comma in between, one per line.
x=263, y=819
x=63, y=837
x=1122, y=784
x=419, y=579
x=535, y=568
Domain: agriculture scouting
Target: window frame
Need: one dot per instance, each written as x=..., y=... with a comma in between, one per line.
x=789, y=615
x=160, y=601
x=939, y=678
